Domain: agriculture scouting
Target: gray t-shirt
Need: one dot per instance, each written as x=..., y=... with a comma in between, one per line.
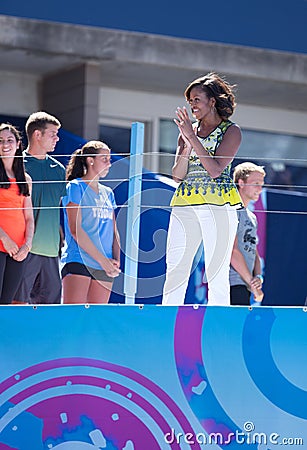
x=247, y=243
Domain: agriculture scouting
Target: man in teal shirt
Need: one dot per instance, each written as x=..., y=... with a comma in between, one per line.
x=42, y=282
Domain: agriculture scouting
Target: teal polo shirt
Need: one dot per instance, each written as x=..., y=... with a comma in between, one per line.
x=48, y=186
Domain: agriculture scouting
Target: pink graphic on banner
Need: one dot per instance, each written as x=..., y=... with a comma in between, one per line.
x=80, y=400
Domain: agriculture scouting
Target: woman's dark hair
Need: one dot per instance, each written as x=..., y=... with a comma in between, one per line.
x=215, y=87
x=18, y=165
x=77, y=165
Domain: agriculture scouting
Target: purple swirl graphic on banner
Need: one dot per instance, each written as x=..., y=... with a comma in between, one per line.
x=81, y=400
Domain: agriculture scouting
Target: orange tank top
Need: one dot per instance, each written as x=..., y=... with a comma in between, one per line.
x=12, y=219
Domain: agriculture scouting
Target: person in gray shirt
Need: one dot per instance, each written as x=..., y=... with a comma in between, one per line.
x=245, y=269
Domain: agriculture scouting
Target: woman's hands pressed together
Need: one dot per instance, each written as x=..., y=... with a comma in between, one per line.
x=10, y=246
x=22, y=253
x=184, y=124
x=111, y=267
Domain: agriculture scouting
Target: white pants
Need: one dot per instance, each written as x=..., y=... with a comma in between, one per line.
x=216, y=227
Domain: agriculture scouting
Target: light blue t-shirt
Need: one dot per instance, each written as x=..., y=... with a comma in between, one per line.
x=97, y=221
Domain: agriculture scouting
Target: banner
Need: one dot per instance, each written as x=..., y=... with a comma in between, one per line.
x=152, y=377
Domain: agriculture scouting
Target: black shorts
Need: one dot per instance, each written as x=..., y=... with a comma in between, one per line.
x=75, y=268
x=239, y=295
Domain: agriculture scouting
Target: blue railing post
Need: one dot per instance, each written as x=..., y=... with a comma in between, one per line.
x=134, y=211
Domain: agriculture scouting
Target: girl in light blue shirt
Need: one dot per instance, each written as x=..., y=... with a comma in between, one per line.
x=91, y=254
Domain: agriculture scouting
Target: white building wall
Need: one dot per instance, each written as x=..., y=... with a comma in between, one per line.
x=119, y=107
x=19, y=94
x=129, y=106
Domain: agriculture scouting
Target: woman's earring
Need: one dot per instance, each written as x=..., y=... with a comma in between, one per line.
x=92, y=163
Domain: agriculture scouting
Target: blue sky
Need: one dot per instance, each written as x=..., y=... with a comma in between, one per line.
x=280, y=25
